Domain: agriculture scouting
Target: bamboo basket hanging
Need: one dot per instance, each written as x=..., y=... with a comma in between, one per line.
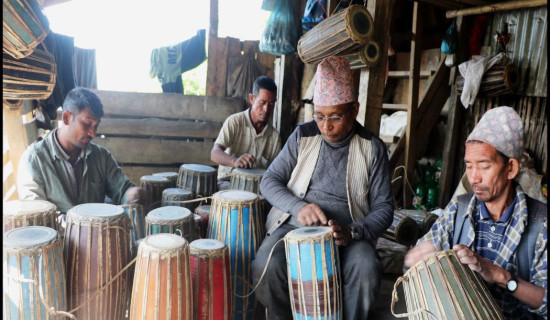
x=24, y=27
x=32, y=77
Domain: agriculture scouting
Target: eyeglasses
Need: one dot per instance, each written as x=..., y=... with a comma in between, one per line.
x=332, y=119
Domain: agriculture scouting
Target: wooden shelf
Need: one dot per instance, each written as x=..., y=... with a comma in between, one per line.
x=391, y=106
x=405, y=74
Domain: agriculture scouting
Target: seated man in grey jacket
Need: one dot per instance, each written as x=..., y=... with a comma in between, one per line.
x=66, y=169
x=332, y=171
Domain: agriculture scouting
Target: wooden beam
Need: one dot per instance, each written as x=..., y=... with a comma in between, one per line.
x=371, y=80
x=151, y=127
x=412, y=113
x=495, y=7
x=157, y=151
x=286, y=78
x=167, y=105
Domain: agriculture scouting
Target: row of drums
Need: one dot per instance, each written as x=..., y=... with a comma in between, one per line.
x=182, y=270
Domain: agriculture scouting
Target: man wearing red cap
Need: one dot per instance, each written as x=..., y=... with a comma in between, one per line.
x=331, y=172
x=497, y=230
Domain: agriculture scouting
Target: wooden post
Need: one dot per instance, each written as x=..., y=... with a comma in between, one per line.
x=19, y=135
x=502, y=6
x=371, y=81
x=412, y=113
x=449, y=161
x=216, y=73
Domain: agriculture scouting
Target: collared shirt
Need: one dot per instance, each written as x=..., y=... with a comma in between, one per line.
x=239, y=136
x=490, y=233
x=43, y=174
x=74, y=169
x=441, y=234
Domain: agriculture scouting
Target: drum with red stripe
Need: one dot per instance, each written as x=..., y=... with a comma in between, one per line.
x=211, y=279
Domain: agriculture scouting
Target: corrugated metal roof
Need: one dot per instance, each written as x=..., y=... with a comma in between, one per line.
x=527, y=46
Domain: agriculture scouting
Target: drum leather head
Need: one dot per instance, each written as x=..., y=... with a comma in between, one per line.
x=307, y=232
x=29, y=237
x=235, y=195
x=163, y=242
x=21, y=207
x=154, y=179
x=169, y=213
x=103, y=210
x=207, y=244
x=197, y=167
x=205, y=208
x=249, y=172
x=178, y=191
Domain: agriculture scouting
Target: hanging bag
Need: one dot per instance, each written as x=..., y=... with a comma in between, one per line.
x=280, y=35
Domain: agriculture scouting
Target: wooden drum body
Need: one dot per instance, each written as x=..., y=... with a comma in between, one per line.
x=246, y=179
x=366, y=56
x=33, y=267
x=313, y=267
x=96, y=247
x=201, y=179
x=446, y=288
x=171, y=219
x=175, y=196
x=136, y=213
x=235, y=220
x=171, y=176
x=154, y=186
x=497, y=80
x=25, y=27
x=204, y=212
x=210, y=273
x=403, y=229
x=343, y=32
x=22, y=213
x=32, y=77
x=162, y=279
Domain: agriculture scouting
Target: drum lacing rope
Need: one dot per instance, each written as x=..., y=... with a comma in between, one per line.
x=178, y=201
x=70, y=313
x=395, y=298
x=51, y=310
x=263, y=272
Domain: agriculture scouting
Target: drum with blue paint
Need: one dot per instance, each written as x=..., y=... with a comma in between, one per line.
x=178, y=197
x=172, y=219
x=313, y=268
x=136, y=212
x=171, y=176
x=236, y=221
x=33, y=263
x=201, y=179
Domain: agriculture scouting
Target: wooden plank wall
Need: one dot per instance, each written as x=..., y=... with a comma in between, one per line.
x=220, y=50
x=156, y=132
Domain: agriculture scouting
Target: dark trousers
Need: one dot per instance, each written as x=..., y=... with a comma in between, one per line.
x=361, y=272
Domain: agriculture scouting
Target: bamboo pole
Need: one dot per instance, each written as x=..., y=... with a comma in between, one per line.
x=502, y=6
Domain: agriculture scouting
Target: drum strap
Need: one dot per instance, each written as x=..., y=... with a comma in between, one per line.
x=526, y=247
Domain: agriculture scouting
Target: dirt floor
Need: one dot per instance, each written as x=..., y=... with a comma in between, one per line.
x=382, y=306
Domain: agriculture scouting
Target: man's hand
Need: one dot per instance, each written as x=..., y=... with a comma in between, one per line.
x=341, y=234
x=136, y=195
x=418, y=253
x=245, y=161
x=312, y=215
x=488, y=271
